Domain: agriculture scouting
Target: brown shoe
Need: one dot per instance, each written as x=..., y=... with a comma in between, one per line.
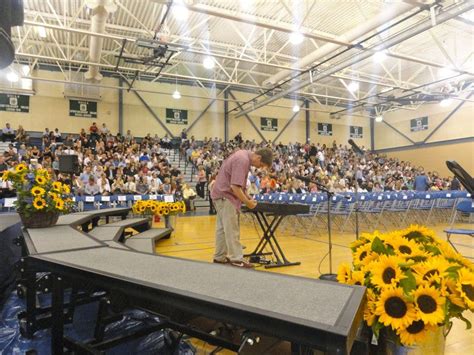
x=225, y=261
x=242, y=264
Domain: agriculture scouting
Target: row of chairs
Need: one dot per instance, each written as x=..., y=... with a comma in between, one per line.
x=85, y=203
x=378, y=210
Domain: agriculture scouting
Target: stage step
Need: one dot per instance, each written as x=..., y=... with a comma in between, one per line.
x=146, y=241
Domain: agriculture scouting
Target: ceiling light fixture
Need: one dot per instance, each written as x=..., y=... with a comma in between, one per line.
x=12, y=77
x=41, y=31
x=446, y=102
x=379, y=118
x=353, y=86
x=379, y=56
x=180, y=11
x=208, y=63
x=445, y=72
x=296, y=108
x=25, y=69
x=296, y=38
x=176, y=94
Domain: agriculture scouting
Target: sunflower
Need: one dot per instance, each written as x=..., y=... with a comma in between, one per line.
x=5, y=175
x=183, y=207
x=415, y=333
x=393, y=308
x=386, y=271
x=363, y=255
x=165, y=210
x=39, y=203
x=59, y=204
x=57, y=186
x=418, y=234
x=430, y=304
x=357, y=278
x=153, y=208
x=66, y=190
x=20, y=168
x=465, y=287
x=37, y=191
x=343, y=273
x=40, y=180
x=358, y=243
x=406, y=248
x=452, y=293
x=369, y=309
x=431, y=270
x=141, y=208
x=53, y=195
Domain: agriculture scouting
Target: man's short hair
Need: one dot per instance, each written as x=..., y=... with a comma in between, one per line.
x=266, y=155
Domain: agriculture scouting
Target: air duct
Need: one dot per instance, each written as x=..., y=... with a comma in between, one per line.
x=356, y=33
x=100, y=9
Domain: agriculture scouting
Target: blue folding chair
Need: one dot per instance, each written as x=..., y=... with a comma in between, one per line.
x=465, y=209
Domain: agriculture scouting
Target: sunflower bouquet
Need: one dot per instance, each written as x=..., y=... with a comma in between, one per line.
x=36, y=192
x=158, y=208
x=415, y=283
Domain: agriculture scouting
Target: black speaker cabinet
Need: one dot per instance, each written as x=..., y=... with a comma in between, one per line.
x=68, y=164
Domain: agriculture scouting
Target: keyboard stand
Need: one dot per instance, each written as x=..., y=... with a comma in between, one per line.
x=269, y=224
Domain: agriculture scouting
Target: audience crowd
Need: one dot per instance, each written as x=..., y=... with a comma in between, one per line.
x=121, y=164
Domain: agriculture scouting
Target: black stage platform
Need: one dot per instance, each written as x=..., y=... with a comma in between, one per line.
x=306, y=312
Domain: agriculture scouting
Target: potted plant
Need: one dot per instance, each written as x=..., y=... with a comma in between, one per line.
x=39, y=199
x=416, y=284
x=168, y=210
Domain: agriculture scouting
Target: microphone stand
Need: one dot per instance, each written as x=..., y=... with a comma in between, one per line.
x=329, y=276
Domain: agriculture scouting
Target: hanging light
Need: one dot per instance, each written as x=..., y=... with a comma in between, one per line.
x=446, y=102
x=379, y=118
x=353, y=86
x=445, y=72
x=379, y=56
x=208, y=62
x=296, y=108
x=176, y=95
x=41, y=31
x=180, y=11
x=25, y=69
x=12, y=77
x=296, y=38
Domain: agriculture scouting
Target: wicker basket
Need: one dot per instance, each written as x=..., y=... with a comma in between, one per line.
x=39, y=219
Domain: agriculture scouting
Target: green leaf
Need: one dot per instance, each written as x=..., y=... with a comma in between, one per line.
x=432, y=249
x=378, y=247
x=453, y=268
x=465, y=320
x=376, y=328
x=408, y=283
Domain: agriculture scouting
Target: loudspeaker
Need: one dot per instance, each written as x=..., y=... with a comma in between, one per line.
x=11, y=14
x=69, y=164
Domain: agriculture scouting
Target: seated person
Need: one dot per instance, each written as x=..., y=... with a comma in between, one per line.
x=91, y=188
x=189, y=195
x=118, y=186
x=130, y=186
x=8, y=133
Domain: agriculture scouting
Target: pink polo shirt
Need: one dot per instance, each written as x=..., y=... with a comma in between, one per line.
x=234, y=171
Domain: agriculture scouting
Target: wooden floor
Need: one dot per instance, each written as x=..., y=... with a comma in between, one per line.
x=194, y=239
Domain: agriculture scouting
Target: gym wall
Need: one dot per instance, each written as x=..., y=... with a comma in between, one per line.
x=432, y=157
x=49, y=108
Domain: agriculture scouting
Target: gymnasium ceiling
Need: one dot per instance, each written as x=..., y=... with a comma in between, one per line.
x=249, y=42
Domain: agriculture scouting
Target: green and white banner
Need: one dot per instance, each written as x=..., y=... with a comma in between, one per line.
x=419, y=124
x=268, y=124
x=14, y=103
x=175, y=116
x=356, y=132
x=80, y=108
x=325, y=129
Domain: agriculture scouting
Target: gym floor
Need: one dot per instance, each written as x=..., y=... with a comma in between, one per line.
x=194, y=239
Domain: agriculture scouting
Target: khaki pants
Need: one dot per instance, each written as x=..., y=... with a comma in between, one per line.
x=227, y=232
